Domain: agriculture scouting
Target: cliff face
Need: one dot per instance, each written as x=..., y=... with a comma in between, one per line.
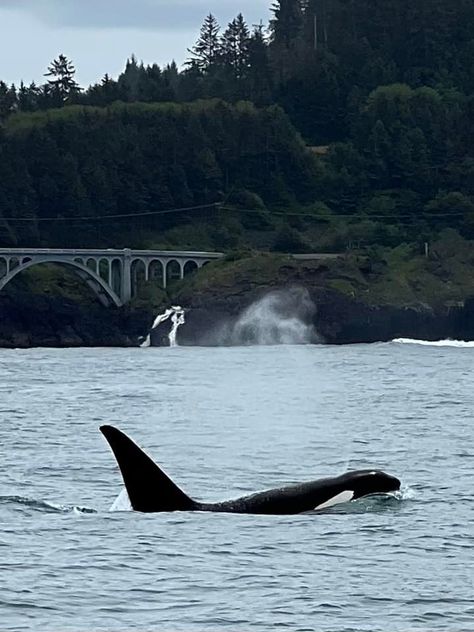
x=354, y=301
x=335, y=301
x=337, y=320
x=31, y=320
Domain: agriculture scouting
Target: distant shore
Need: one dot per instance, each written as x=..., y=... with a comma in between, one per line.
x=356, y=299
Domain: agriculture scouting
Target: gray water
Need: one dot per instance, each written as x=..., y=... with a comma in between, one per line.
x=223, y=422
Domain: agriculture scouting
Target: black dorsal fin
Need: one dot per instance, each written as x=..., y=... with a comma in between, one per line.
x=148, y=487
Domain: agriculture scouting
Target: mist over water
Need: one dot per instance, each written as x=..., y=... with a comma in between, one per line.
x=281, y=317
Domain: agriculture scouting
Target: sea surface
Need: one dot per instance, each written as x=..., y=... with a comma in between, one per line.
x=224, y=422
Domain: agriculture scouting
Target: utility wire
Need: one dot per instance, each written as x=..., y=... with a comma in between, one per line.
x=89, y=218
x=220, y=206
x=334, y=216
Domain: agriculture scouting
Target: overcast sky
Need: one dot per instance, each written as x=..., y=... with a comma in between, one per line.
x=99, y=35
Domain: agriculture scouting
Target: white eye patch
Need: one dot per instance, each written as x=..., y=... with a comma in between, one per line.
x=343, y=497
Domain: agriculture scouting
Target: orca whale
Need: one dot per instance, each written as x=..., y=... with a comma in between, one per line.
x=151, y=490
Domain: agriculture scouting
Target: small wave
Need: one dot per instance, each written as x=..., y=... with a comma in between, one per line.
x=406, y=493
x=122, y=502
x=435, y=343
x=44, y=505
x=374, y=503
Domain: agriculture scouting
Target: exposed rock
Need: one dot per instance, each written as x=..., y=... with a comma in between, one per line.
x=340, y=317
x=215, y=300
x=32, y=320
x=338, y=320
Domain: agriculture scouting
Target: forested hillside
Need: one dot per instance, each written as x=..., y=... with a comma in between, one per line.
x=107, y=170
x=341, y=122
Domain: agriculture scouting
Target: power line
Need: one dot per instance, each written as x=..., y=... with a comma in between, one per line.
x=91, y=218
x=220, y=206
x=335, y=216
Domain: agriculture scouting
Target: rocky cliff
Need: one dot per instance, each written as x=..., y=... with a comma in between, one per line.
x=342, y=300
x=31, y=320
x=349, y=299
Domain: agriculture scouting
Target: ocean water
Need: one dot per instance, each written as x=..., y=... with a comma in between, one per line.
x=224, y=422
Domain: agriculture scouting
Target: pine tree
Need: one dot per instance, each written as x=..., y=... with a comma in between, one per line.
x=287, y=24
x=103, y=93
x=260, y=72
x=234, y=48
x=8, y=100
x=287, y=45
x=129, y=81
x=205, y=52
x=62, y=85
x=28, y=97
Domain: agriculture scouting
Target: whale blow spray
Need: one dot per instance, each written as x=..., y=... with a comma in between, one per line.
x=280, y=317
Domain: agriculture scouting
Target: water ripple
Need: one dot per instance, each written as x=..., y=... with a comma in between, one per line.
x=224, y=422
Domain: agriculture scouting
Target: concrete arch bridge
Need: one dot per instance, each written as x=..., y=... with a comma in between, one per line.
x=114, y=275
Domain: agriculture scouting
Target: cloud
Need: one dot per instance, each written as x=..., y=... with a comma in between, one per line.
x=127, y=14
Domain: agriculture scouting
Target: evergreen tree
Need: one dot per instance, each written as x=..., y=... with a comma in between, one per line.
x=205, y=52
x=103, y=93
x=287, y=38
x=28, y=97
x=129, y=82
x=260, y=80
x=62, y=85
x=8, y=100
x=287, y=25
x=234, y=48
x=170, y=75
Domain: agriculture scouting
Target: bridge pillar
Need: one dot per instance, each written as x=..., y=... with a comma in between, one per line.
x=165, y=273
x=126, y=287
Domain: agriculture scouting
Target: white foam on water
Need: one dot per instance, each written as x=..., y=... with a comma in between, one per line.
x=162, y=317
x=146, y=343
x=122, y=502
x=176, y=313
x=178, y=319
x=405, y=493
x=435, y=343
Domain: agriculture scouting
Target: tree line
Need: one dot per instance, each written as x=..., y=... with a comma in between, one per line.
x=381, y=93
x=107, y=166
x=318, y=59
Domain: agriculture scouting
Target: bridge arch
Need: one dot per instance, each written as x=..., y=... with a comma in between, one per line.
x=103, y=269
x=103, y=291
x=138, y=275
x=116, y=275
x=189, y=267
x=174, y=271
x=13, y=263
x=92, y=263
x=157, y=272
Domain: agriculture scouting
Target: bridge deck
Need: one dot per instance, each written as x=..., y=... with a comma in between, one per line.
x=109, y=252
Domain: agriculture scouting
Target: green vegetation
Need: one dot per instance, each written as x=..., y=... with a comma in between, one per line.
x=344, y=125
x=137, y=160
x=51, y=280
x=401, y=276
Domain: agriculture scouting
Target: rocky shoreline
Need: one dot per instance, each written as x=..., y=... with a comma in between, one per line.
x=215, y=301
x=31, y=320
x=338, y=320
